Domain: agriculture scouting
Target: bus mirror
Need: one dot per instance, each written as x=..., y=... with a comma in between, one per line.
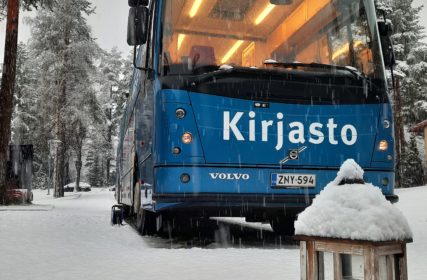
x=385, y=29
x=137, y=26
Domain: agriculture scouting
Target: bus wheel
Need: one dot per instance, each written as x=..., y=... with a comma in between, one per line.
x=146, y=222
x=117, y=215
x=283, y=225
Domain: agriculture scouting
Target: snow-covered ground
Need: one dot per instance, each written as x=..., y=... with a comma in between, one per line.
x=413, y=203
x=71, y=238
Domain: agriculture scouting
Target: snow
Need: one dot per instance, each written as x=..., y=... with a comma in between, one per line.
x=412, y=202
x=350, y=170
x=241, y=222
x=33, y=207
x=81, y=184
x=225, y=67
x=74, y=240
x=353, y=211
x=268, y=61
x=351, y=68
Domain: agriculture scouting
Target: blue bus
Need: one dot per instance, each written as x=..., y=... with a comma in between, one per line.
x=248, y=108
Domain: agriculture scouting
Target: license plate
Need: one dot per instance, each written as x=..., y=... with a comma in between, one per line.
x=292, y=180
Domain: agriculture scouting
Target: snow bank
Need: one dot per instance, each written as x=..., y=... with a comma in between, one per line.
x=81, y=184
x=352, y=211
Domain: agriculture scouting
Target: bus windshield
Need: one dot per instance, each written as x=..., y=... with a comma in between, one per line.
x=258, y=33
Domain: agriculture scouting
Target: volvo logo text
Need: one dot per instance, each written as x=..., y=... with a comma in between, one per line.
x=229, y=176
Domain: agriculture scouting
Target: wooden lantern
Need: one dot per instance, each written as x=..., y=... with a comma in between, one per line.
x=341, y=259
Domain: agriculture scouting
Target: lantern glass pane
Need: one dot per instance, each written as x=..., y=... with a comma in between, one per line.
x=352, y=267
x=326, y=265
x=387, y=267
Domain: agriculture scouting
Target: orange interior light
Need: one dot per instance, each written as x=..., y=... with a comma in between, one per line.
x=195, y=8
x=181, y=38
x=233, y=49
x=264, y=13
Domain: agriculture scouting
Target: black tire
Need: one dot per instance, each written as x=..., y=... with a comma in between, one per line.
x=117, y=217
x=283, y=225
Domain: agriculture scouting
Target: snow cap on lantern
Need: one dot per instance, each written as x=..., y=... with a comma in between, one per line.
x=349, y=172
x=348, y=208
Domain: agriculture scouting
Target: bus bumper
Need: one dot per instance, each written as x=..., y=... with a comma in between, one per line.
x=244, y=189
x=235, y=205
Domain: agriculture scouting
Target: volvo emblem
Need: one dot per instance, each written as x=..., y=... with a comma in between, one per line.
x=293, y=154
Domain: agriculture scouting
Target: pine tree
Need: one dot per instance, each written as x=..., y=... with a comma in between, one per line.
x=112, y=85
x=89, y=98
x=412, y=171
x=94, y=169
x=411, y=55
x=63, y=43
x=23, y=118
x=409, y=98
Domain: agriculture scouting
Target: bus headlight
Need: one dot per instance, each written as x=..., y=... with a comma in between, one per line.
x=187, y=138
x=383, y=146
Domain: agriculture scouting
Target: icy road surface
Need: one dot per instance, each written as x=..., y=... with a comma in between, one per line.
x=71, y=238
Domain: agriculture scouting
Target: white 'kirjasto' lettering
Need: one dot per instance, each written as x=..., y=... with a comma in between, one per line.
x=297, y=131
x=232, y=125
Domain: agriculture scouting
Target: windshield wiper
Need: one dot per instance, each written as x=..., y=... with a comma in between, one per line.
x=355, y=72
